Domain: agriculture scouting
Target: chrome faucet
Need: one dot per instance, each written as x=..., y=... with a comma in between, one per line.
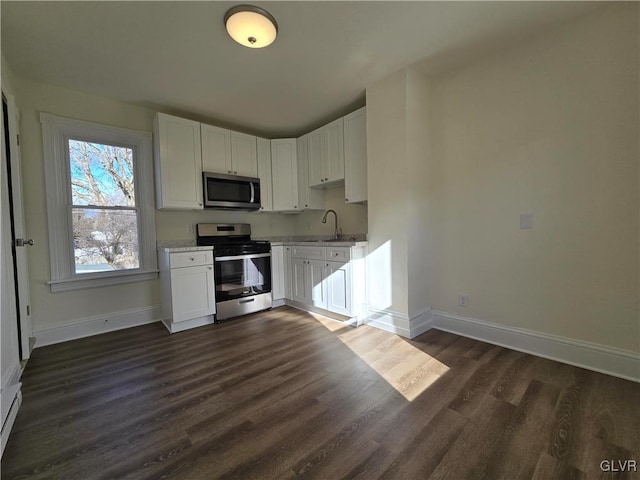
x=335, y=229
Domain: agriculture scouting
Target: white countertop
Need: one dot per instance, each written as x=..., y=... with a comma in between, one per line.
x=183, y=249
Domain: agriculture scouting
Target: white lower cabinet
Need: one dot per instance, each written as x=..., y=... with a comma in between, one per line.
x=188, y=289
x=300, y=283
x=327, y=278
x=277, y=273
x=288, y=290
x=339, y=288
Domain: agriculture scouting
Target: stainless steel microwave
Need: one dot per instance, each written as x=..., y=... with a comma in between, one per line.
x=231, y=192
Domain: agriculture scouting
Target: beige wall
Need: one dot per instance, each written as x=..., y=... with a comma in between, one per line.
x=419, y=187
x=352, y=218
x=550, y=128
x=49, y=309
x=387, y=277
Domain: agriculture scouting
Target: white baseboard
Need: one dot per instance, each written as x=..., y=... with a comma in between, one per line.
x=421, y=322
x=278, y=303
x=187, y=324
x=612, y=361
x=98, y=324
x=389, y=321
x=399, y=323
x=16, y=401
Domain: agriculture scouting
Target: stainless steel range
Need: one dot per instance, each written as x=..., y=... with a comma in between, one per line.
x=242, y=268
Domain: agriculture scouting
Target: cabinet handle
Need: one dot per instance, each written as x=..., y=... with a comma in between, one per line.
x=295, y=206
x=326, y=179
x=199, y=204
x=210, y=268
x=346, y=199
x=235, y=173
x=229, y=171
x=306, y=205
x=192, y=259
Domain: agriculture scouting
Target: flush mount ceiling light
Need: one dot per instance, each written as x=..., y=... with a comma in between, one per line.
x=251, y=26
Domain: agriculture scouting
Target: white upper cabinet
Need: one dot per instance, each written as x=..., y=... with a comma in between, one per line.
x=355, y=156
x=244, y=160
x=326, y=155
x=334, y=167
x=309, y=198
x=263, y=147
x=216, y=149
x=316, y=155
x=178, y=161
x=284, y=167
x=224, y=151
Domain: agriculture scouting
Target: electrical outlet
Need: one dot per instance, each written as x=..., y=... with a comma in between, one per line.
x=463, y=300
x=191, y=228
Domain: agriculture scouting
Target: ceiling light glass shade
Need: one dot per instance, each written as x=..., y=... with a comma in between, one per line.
x=251, y=26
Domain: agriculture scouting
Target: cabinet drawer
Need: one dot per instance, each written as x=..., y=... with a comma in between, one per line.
x=338, y=254
x=190, y=259
x=309, y=252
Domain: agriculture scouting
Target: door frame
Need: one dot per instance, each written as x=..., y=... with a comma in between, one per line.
x=21, y=253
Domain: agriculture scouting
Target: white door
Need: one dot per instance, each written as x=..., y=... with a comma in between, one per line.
x=20, y=238
x=299, y=282
x=338, y=282
x=288, y=269
x=335, y=151
x=316, y=154
x=284, y=162
x=192, y=292
x=355, y=156
x=317, y=284
x=216, y=149
x=277, y=272
x=243, y=154
x=178, y=163
x=263, y=148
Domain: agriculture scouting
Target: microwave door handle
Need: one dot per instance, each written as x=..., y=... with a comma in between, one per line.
x=253, y=192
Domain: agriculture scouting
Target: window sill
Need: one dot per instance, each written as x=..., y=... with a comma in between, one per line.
x=104, y=281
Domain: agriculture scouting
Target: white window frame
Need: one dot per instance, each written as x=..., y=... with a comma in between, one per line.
x=56, y=131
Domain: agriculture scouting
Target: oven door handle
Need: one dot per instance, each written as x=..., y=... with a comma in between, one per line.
x=242, y=257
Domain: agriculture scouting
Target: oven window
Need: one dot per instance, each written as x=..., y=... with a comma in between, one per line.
x=242, y=277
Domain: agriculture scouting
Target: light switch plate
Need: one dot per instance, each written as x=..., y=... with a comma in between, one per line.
x=526, y=220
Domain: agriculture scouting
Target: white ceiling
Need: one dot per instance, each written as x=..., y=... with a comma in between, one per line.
x=176, y=56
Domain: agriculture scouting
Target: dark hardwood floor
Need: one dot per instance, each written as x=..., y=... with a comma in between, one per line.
x=284, y=394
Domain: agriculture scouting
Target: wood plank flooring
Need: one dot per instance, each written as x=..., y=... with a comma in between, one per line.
x=284, y=394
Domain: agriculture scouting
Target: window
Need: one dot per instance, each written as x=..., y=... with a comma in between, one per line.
x=99, y=203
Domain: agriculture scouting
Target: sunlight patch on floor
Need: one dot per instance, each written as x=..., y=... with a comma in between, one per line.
x=409, y=370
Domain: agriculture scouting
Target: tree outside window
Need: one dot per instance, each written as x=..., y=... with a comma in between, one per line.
x=104, y=217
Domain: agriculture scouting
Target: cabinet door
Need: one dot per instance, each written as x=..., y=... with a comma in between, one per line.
x=334, y=159
x=338, y=282
x=309, y=198
x=263, y=147
x=355, y=156
x=288, y=274
x=243, y=155
x=300, y=290
x=277, y=273
x=284, y=165
x=316, y=152
x=317, y=284
x=192, y=292
x=178, y=163
x=216, y=149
